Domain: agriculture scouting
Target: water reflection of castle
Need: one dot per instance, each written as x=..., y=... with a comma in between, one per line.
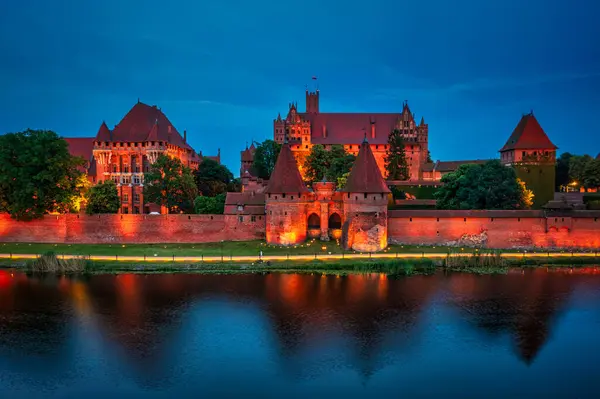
x=370, y=312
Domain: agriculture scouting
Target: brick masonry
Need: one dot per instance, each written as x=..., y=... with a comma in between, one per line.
x=129, y=229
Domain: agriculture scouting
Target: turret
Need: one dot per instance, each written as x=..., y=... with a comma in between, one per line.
x=312, y=102
x=365, y=199
x=286, y=197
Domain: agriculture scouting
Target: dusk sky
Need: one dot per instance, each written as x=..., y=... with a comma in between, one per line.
x=223, y=69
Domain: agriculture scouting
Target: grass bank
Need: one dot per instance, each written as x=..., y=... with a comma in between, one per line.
x=479, y=263
x=225, y=249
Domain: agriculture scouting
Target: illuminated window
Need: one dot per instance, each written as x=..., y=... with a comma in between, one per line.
x=136, y=197
x=125, y=198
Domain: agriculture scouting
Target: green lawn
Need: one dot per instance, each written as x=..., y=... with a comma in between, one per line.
x=228, y=248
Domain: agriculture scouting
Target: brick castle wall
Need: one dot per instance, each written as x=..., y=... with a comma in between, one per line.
x=106, y=229
x=497, y=229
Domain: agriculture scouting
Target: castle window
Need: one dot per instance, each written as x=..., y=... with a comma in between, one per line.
x=365, y=195
x=136, y=198
x=125, y=210
x=306, y=146
x=125, y=198
x=465, y=219
x=240, y=219
x=356, y=198
x=126, y=168
x=376, y=147
x=253, y=218
x=292, y=197
x=240, y=208
x=284, y=213
x=282, y=195
x=114, y=168
x=411, y=219
x=116, y=179
x=523, y=153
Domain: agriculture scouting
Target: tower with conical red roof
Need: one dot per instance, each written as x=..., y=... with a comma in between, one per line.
x=533, y=156
x=286, y=198
x=365, y=199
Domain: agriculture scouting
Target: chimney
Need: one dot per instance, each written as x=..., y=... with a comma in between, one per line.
x=372, y=129
x=185, y=136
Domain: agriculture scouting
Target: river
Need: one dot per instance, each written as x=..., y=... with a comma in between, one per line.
x=525, y=333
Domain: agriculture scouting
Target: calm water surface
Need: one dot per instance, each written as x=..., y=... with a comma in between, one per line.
x=525, y=333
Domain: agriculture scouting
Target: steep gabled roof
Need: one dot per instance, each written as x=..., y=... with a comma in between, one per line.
x=349, y=128
x=81, y=147
x=528, y=135
x=103, y=133
x=365, y=176
x=139, y=122
x=286, y=176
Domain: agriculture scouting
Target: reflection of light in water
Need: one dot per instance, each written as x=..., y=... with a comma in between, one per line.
x=129, y=296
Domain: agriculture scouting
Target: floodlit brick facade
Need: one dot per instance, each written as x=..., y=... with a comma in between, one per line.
x=126, y=152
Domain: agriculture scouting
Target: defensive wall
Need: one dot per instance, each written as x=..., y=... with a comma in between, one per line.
x=130, y=229
x=496, y=229
x=492, y=229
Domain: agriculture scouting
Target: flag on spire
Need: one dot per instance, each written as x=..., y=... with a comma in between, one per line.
x=314, y=78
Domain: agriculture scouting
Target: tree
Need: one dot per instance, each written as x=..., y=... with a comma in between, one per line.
x=526, y=194
x=103, y=198
x=429, y=160
x=265, y=157
x=332, y=164
x=483, y=186
x=212, y=178
x=37, y=174
x=577, y=167
x=562, y=170
x=395, y=158
x=342, y=180
x=316, y=163
x=79, y=199
x=171, y=184
x=591, y=174
x=235, y=186
x=340, y=163
x=210, y=205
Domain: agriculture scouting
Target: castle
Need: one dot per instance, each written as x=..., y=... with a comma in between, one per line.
x=284, y=206
x=126, y=152
x=305, y=129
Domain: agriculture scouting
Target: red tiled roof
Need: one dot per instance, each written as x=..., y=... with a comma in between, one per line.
x=528, y=135
x=104, y=133
x=246, y=198
x=286, y=176
x=365, y=176
x=147, y=123
x=350, y=128
x=81, y=147
x=248, y=154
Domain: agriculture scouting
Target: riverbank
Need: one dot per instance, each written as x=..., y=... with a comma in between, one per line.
x=408, y=264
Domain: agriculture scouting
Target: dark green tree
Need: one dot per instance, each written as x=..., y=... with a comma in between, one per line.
x=171, y=184
x=212, y=178
x=577, y=168
x=429, y=160
x=265, y=157
x=562, y=170
x=316, y=163
x=103, y=198
x=483, y=186
x=210, y=205
x=235, y=186
x=395, y=158
x=332, y=164
x=37, y=174
x=591, y=174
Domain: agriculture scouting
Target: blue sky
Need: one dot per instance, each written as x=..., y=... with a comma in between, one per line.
x=224, y=69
